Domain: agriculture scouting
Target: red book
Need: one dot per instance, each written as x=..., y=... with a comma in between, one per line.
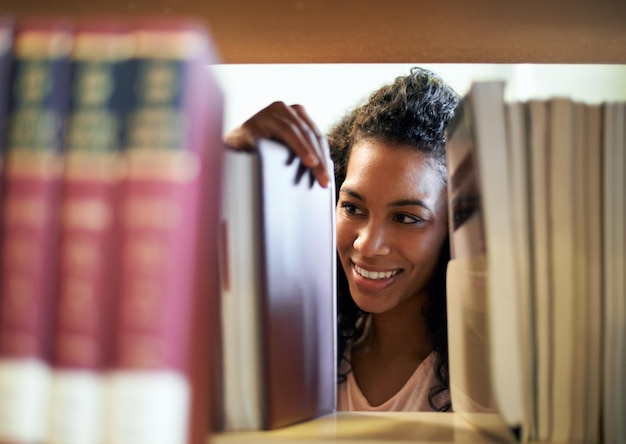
x=103, y=79
x=29, y=234
x=278, y=292
x=168, y=318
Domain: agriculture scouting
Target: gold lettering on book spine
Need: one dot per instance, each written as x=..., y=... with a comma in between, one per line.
x=76, y=305
x=95, y=215
x=77, y=349
x=146, y=255
x=19, y=252
x=142, y=308
x=18, y=301
x=81, y=255
x=142, y=351
x=151, y=212
x=30, y=212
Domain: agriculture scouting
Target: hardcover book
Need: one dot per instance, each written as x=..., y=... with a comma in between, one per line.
x=486, y=374
x=278, y=291
x=29, y=232
x=103, y=81
x=167, y=317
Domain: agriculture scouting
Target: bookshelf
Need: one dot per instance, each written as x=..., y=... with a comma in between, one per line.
x=378, y=428
x=395, y=31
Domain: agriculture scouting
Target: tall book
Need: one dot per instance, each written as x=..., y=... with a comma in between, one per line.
x=278, y=290
x=539, y=208
x=103, y=81
x=29, y=233
x=168, y=313
x=614, y=326
x=563, y=291
x=481, y=233
x=592, y=255
x=519, y=162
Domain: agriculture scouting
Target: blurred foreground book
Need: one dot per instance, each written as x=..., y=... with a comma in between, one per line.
x=110, y=206
x=537, y=303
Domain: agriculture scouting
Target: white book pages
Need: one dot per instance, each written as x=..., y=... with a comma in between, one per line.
x=241, y=341
x=540, y=205
x=580, y=273
x=562, y=265
x=487, y=99
x=467, y=275
x=519, y=167
x=470, y=382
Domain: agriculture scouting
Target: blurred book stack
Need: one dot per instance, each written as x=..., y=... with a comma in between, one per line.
x=537, y=303
x=110, y=196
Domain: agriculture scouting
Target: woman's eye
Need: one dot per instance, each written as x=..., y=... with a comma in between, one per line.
x=407, y=219
x=351, y=209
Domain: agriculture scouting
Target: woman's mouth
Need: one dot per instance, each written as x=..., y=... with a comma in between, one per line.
x=375, y=275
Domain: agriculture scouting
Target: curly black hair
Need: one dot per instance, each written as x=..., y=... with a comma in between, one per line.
x=413, y=110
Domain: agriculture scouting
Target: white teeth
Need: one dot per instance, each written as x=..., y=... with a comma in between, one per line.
x=374, y=274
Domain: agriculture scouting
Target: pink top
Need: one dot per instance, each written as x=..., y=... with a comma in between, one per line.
x=412, y=397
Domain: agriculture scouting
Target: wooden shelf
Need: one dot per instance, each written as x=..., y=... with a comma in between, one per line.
x=391, y=31
x=375, y=428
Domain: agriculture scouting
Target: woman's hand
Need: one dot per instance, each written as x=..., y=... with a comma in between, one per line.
x=290, y=125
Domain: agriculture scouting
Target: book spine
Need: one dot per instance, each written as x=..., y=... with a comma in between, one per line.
x=7, y=30
x=102, y=83
x=168, y=219
x=29, y=236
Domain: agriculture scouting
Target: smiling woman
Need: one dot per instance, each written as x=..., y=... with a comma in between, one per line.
x=392, y=236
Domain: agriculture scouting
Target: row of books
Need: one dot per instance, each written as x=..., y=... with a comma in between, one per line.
x=537, y=301
x=110, y=185
x=154, y=287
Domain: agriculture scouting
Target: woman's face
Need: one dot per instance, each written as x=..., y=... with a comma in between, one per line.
x=391, y=224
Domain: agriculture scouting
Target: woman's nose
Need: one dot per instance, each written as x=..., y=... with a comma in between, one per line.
x=372, y=241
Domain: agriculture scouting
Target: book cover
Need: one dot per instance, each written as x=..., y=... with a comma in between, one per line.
x=103, y=81
x=468, y=329
x=538, y=135
x=614, y=309
x=279, y=314
x=562, y=241
x=593, y=304
x=483, y=200
x=521, y=218
x=29, y=233
x=160, y=384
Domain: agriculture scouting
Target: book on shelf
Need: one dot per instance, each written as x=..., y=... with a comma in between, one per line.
x=111, y=189
x=485, y=371
x=29, y=232
x=102, y=83
x=533, y=208
x=165, y=349
x=278, y=291
x=613, y=277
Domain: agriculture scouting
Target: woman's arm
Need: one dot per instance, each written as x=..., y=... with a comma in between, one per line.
x=290, y=125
